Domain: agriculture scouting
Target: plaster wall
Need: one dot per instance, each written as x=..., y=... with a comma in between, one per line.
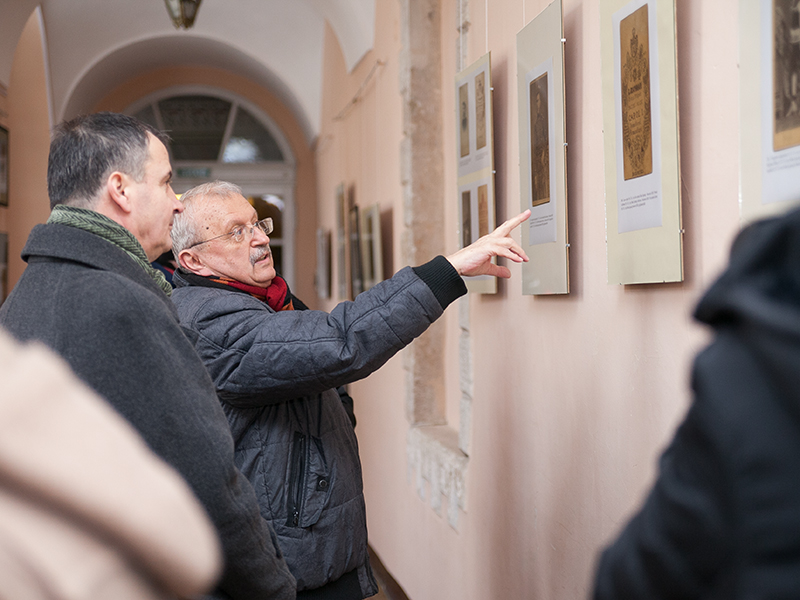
x=574, y=396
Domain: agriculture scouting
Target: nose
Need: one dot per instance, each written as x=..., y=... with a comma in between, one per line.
x=178, y=205
x=259, y=237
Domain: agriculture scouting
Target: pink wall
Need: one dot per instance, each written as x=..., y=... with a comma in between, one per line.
x=574, y=396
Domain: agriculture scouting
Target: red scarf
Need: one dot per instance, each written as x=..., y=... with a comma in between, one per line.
x=276, y=296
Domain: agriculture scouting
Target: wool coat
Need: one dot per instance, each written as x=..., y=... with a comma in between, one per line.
x=275, y=374
x=723, y=518
x=87, y=300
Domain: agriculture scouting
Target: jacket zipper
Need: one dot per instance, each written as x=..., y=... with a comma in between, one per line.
x=296, y=479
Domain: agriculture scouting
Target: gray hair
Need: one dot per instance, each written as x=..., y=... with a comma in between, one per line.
x=185, y=225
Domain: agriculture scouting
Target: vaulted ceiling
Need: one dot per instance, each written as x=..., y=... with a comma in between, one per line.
x=94, y=45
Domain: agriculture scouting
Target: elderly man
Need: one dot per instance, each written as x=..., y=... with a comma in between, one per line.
x=90, y=294
x=275, y=369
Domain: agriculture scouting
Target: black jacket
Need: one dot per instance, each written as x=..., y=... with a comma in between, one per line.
x=723, y=518
x=90, y=302
x=275, y=373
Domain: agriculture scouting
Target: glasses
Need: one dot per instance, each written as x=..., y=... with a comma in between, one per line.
x=242, y=232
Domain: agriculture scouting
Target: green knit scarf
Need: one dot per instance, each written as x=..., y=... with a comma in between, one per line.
x=102, y=226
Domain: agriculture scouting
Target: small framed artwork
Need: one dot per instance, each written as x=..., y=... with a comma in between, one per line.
x=356, y=269
x=644, y=229
x=3, y=267
x=323, y=275
x=371, y=246
x=341, y=243
x=3, y=167
x=769, y=100
x=543, y=155
x=476, y=201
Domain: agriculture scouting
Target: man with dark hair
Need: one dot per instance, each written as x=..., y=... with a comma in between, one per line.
x=90, y=294
x=276, y=369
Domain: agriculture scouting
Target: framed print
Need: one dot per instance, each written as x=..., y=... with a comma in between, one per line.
x=341, y=243
x=769, y=95
x=371, y=246
x=475, y=155
x=640, y=122
x=542, y=151
x=356, y=269
x=323, y=274
x=3, y=167
x=3, y=267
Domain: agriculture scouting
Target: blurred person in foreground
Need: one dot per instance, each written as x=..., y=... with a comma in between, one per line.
x=87, y=511
x=90, y=294
x=276, y=368
x=723, y=518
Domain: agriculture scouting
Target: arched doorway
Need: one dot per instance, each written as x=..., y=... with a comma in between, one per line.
x=218, y=135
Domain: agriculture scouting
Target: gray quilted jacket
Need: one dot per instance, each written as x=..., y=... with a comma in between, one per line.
x=275, y=374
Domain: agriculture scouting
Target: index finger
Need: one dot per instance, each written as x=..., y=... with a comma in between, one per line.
x=509, y=225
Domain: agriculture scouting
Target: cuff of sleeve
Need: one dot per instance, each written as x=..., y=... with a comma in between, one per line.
x=444, y=281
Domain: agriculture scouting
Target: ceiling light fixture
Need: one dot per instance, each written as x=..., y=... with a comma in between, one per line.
x=183, y=12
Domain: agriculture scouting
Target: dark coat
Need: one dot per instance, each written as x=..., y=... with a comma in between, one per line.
x=275, y=373
x=90, y=302
x=723, y=518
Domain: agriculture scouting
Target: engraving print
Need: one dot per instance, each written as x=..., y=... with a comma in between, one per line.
x=637, y=139
x=466, y=219
x=463, y=103
x=483, y=210
x=540, y=141
x=786, y=73
x=480, y=110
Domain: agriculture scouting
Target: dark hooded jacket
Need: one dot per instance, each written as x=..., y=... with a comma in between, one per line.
x=91, y=303
x=275, y=374
x=723, y=518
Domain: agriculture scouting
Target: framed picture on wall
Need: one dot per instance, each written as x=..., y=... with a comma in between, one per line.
x=3, y=267
x=371, y=246
x=3, y=167
x=323, y=274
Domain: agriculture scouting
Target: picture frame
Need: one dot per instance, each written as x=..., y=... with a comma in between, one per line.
x=371, y=246
x=342, y=268
x=475, y=160
x=3, y=267
x=543, y=152
x=322, y=278
x=769, y=98
x=356, y=269
x=644, y=227
x=3, y=166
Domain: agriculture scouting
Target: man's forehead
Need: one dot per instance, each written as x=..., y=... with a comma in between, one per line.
x=228, y=212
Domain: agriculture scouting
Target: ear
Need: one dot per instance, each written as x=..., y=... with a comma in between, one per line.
x=192, y=263
x=117, y=189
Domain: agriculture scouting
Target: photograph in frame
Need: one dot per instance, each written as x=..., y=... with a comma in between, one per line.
x=341, y=243
x=356, y=269
x=3, y=167
x=371, y=246
x=644, y=227
x=323, y=275
x=3, y=267
x=637, y=138
x=541, y=106
x=540, y=141
x=786, y=74
x=475, y=160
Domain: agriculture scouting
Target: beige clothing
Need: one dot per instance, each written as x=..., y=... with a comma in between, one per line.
x=87, y=512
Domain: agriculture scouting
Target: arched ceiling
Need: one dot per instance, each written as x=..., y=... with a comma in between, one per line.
x=94, y=45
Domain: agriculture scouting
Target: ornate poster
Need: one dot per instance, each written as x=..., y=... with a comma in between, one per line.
x=637, y=139
x=480, y=110
x=463, y=103
x=786, y=68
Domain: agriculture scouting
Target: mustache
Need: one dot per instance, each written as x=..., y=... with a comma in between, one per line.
x=258, y=254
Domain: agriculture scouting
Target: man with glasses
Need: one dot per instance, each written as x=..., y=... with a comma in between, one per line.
x=90, y=294
x=276, y=367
